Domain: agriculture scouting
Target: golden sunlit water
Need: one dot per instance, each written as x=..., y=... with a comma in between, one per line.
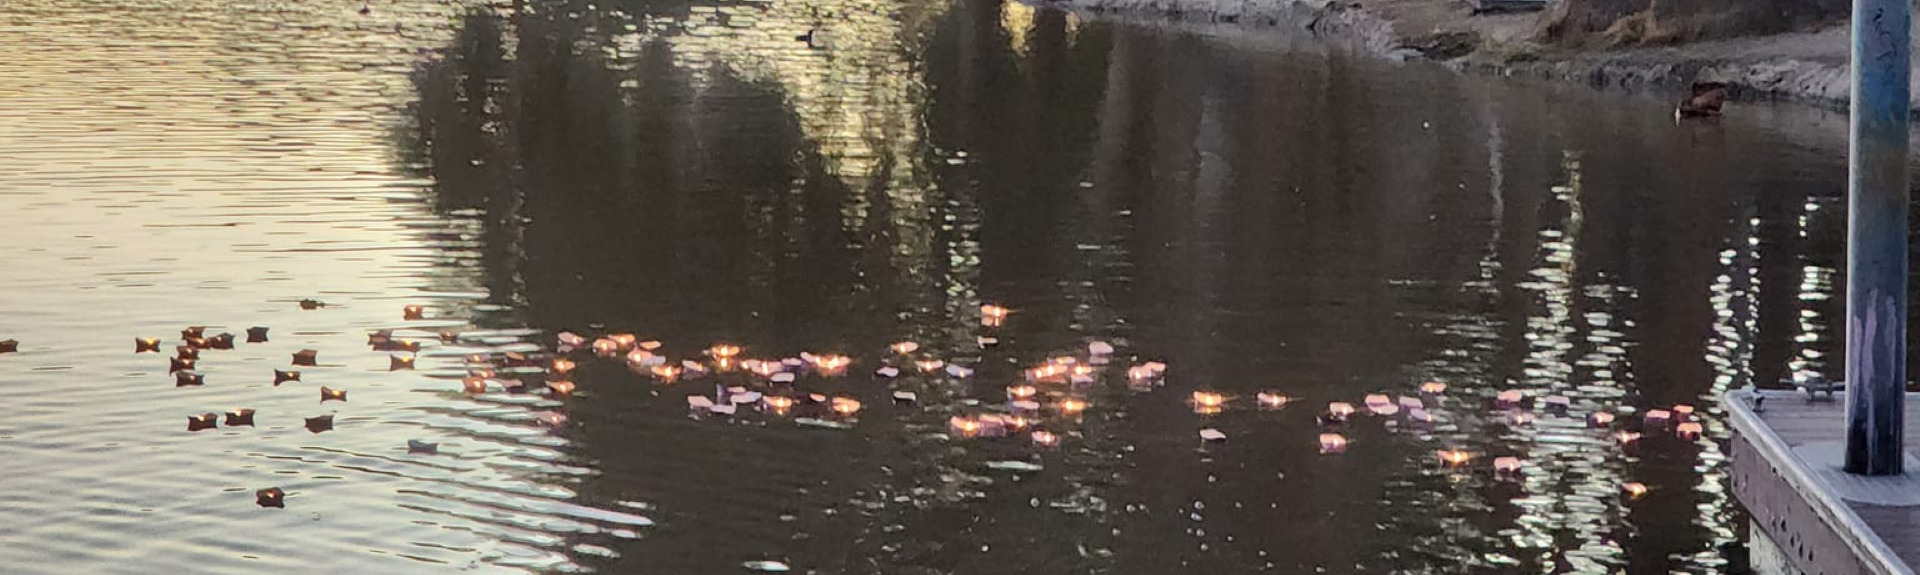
x=857, y=287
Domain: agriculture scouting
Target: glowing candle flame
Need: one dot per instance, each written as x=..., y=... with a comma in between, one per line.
x=1045, y=439
x=399, y=363
x=413, y=312
x=561, y=387
x=1600, y=419
x=1271, y=400
x=1332, y=443
x=666, y=373
x=1634, y=489
x=331, y=394
x=146, y=344
x=831, y=364
x=993, y=315
x=571, y=339
x=1339, y=410
x=625, y=340
x=904, y=347
x=965, y=426
x=778, y=403
x=845, y=406
x=1433, y=388
x=1454, y=457
x=929, y=365
x=563, y=366
x=765, y=368
x=1626, y=437
x=1021, y=391
x=1071, y=406
x=474, y=384
x=723, y=351
x=551, y=418
x=1208, y=399
x=604, y=347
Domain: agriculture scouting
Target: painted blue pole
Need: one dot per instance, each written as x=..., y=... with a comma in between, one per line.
x=1877, y=238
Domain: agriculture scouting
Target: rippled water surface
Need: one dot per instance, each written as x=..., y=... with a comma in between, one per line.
x=1252, y=210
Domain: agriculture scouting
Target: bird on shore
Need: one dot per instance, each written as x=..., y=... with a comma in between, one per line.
x=1704, y=101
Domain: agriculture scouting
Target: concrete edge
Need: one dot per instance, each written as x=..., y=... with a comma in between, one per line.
x=1854, y=531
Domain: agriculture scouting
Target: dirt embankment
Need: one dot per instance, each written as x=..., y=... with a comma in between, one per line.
x=1781, y=49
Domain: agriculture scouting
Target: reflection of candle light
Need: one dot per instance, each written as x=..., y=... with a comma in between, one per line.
x=904, y=347
x=331, y=394
x=1433, y=388
x=1600, y=419
x=1689, y=430
x=778, y=403
x=1634, y=489
x=846, y=406
x=1332, y=443
x=563, y=366
x=1454, y=457
x=1021, y=391
x=1045, y=439
x=723, y=351
x=1071, y=406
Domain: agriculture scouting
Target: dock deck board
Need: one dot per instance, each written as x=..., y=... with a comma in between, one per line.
x=1799, y=423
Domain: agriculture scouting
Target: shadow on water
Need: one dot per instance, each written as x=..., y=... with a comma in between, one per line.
x=1316, y=224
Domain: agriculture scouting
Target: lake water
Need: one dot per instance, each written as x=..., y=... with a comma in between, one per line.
x=1256, y=211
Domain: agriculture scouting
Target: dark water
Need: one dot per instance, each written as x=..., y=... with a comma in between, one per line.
x=1252, y=210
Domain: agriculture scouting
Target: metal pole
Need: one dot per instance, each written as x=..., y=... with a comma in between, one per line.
x=1877, y=238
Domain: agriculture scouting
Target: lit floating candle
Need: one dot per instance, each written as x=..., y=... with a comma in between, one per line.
x=1520, y=418
x=1071, y=406
x=551, y=418
x=964, y=426
x=905, y=397
x=1626, y=437
x=222, y=341
x=474, y=384
x=270, y=497
x=570, y=339
x=1082, y=374
x=311, y=304
x=188, y=379
x=330, y=394
x=887, y=372
x=723, y=351
x=1453, y=457
x=1099, y=348
x=1209, y=401
x=1600, y=419
x=380, y=338
x=666, y=373
x=778, y=404
x=1339, y=411
x=1021, y=391
x=203, y=421
x=281, y=376
x=486, y=372
x=1433, y=388
x=399, y=363
x=1142, y=375
x=626, y=340
x=959, y=372
x=186, y=352
x=1510, y=398
x=1046, y=373
x=1682, y=412
x=845, y=406
x=1657, y=417
x=831, y=365
x=196, y=342
x=904, y=347
x=422, y=447
x=1045, y=439
x=180, y=364
x=604, y=347
x=146, y=345
x=449, y=337
x=1378, y=404
x=649, y=345
x=929, y=365
x=1634, y=489
x=256, y=334
x=1689, y=430
x=783, y=377
x=320, y=423
x=562, y=387
x=1506, y=465
x=692, y=368
x=409, y=346
x=562, y=366
x=1331, y=443
x=413, y=312
x=306, y=357
x=238, y=417
x=193, y=332
x=1013, y=422
x=993, y=315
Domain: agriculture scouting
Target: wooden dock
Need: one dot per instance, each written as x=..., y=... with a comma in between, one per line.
x=1808, y=516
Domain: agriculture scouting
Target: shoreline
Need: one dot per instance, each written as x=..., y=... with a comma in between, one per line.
x=1808, y=67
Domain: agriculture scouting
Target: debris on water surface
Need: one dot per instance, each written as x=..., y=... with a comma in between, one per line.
x=767, y=566
x=1019, y=466
x=422, y=447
